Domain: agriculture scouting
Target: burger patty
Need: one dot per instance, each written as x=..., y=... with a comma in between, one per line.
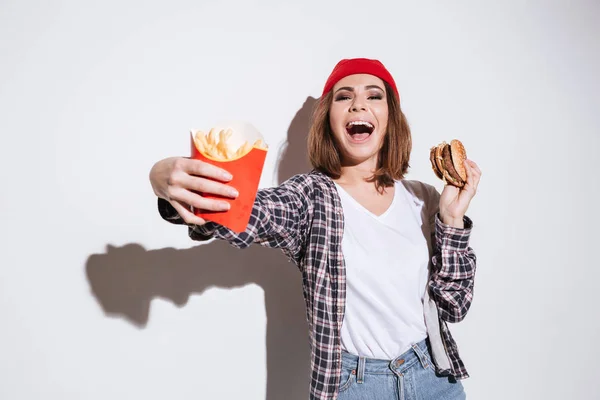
x=449, y=165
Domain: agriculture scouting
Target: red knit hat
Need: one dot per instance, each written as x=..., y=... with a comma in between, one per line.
x=359, y=66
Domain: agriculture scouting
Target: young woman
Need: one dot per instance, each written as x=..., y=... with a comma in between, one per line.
x=385, y=261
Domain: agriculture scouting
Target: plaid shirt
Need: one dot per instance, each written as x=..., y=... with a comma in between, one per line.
x=304, y=218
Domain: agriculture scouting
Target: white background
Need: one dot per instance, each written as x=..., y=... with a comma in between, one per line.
x=101, y=299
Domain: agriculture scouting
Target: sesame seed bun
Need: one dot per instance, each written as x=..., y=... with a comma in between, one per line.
x=459, y=155
x=434, y=166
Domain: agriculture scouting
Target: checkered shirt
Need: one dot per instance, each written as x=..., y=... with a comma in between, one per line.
x=304, y=218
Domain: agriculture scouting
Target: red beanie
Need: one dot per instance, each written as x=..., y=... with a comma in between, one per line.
x=359, y=66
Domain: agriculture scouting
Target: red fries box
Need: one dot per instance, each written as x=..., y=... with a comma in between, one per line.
x=238, y=148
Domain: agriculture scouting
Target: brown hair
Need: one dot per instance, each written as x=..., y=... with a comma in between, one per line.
x=393, y=158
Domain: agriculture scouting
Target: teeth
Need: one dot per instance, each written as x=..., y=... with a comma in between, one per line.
x=365, y=123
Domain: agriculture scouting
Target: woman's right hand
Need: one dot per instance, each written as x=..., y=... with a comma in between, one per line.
x=180, y=180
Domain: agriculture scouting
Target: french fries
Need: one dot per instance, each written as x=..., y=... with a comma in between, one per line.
x=214, y=145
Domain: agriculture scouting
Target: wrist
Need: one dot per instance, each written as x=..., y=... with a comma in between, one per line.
x=453, y=222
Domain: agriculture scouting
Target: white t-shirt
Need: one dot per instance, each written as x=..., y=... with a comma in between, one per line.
x=386, y=259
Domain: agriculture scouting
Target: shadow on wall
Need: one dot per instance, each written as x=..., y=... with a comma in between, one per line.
x=126, y=279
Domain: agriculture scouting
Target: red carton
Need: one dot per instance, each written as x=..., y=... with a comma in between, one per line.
x=246, y=171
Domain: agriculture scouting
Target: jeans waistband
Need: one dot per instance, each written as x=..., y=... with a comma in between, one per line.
x=418, y=353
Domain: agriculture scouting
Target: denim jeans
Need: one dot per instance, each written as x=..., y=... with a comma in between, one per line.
x=410, y=376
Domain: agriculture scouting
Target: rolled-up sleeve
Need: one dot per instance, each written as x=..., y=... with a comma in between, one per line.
x=280, y=217
x=453, y=273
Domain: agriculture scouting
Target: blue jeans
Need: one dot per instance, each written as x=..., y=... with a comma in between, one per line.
x=410, y=376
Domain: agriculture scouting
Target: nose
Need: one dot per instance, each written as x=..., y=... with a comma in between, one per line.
x=358, y=105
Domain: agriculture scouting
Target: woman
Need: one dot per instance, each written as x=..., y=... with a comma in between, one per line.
x=385, y=261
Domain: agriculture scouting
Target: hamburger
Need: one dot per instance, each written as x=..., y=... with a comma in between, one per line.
x=448, y=162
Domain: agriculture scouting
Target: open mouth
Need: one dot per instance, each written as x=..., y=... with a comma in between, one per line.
x=359, y=130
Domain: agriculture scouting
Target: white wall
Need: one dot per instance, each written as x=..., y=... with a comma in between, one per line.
x=99, y=298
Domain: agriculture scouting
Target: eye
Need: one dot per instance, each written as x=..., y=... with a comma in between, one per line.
x=376, y=97
x=342, y=97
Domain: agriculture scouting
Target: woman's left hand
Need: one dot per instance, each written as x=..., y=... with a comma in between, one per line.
x=455, y=201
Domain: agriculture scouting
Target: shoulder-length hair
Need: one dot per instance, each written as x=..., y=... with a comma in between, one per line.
x=394, y=155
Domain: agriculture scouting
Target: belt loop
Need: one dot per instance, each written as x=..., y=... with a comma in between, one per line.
x=360, y=374
x=420, y=355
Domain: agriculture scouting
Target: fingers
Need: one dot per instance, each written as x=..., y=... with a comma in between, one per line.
x=190, y=190
x=197, y=201
x=203, y=169
x=473, y=176
x=474, y=166
x=208, y=186
x=475, y=172
x=188, y=176
x=188, y=216
x=187, y=181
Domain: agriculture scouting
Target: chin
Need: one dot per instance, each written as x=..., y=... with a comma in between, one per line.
x=359, y=157
x=362, y=152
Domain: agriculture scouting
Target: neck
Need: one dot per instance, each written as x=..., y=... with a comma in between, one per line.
x=357, y=174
